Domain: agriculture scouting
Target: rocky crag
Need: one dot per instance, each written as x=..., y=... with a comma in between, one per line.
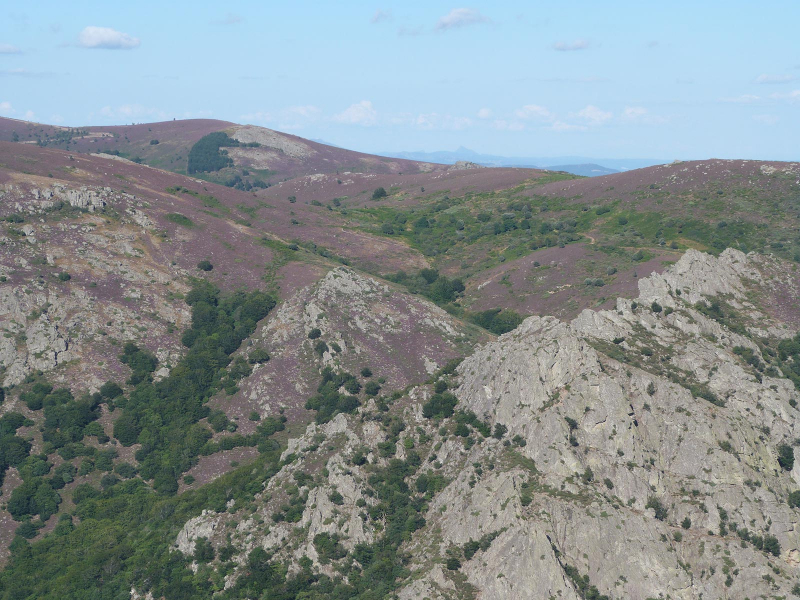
x=640, y=452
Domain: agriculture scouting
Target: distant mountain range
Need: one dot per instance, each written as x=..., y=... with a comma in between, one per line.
x=579, y=165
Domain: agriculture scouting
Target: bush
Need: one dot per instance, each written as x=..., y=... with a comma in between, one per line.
x=453, y=564
x=258, y=356
x=786, y=457
x=686, y=523
x=154, y=142
x=497, y=320
x=64, y=276
x=379, y=193
x=372, y=388
x=657, y=506
x=314, y=333
x=655, y=307
x=204, y=265
x=440, y=405
x=320, y=347
x=366, y=372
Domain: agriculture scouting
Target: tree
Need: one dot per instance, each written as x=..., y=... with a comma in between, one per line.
x=379, y=193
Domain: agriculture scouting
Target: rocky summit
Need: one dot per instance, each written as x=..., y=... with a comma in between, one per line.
x=237, y=364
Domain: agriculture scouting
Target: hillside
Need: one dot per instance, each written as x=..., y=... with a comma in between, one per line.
x=306, y=372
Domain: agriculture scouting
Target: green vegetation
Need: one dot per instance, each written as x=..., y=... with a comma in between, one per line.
x=164, y=417
x=497, y=320
x=179, y=219
x=328, y=401
x=207, y=154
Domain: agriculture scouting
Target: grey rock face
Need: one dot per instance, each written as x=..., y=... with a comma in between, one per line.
x=640, y=456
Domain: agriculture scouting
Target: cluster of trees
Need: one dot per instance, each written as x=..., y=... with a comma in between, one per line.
x=13, y=448
x=429, y=283
x=497, y=320
x=206, y=154
x=164, y=417
x=329, y=401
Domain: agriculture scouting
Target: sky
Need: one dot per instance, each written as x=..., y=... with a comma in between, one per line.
x=613, y=79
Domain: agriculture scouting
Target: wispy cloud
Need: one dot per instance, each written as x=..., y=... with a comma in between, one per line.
x=775, y=79
x=19, y=72
x=593, y=115
x=231, y=19
x=484, y=113
x=766, y=119
x=361, y=113
x=562, y=126
x=793, y=96
x=106, y=38
x=505, y=125
x=460, y=17
x=381, y=15
x=404, y=31
x=640, y=115
x=743, y=99
x=431, y=121
x=8, y=110
x=571, y=46
x=535, y=112
x=9, y=49
x=132, y=112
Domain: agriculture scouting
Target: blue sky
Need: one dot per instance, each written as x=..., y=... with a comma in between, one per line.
x=611, y=79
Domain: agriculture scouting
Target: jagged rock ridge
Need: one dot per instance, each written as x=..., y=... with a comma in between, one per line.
x=640, y=457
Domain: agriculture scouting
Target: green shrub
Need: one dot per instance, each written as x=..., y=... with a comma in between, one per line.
x=205, y=265
x=786, y=457
x=440, y=405
x=656, y=504
x=314, y=333
x=379, y=193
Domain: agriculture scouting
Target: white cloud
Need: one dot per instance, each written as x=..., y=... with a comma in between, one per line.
x=231, y=19
x=8, y=110
x=594, y=115
x=766, y=119
x=381, y=15
x=562, y=126
x=639, y=114
x=535, y=112
x=743, y=99
x=460, y=17
x=775, y=78
x=793, y=96
x=432, y=121
x=503, y=125
x=484, y=113
x=106, y=38
x=9, y=49
x=361, y=113
x=409, y=31
x=571, y=46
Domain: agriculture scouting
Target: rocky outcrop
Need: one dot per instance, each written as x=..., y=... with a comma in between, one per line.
x=634, y=452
